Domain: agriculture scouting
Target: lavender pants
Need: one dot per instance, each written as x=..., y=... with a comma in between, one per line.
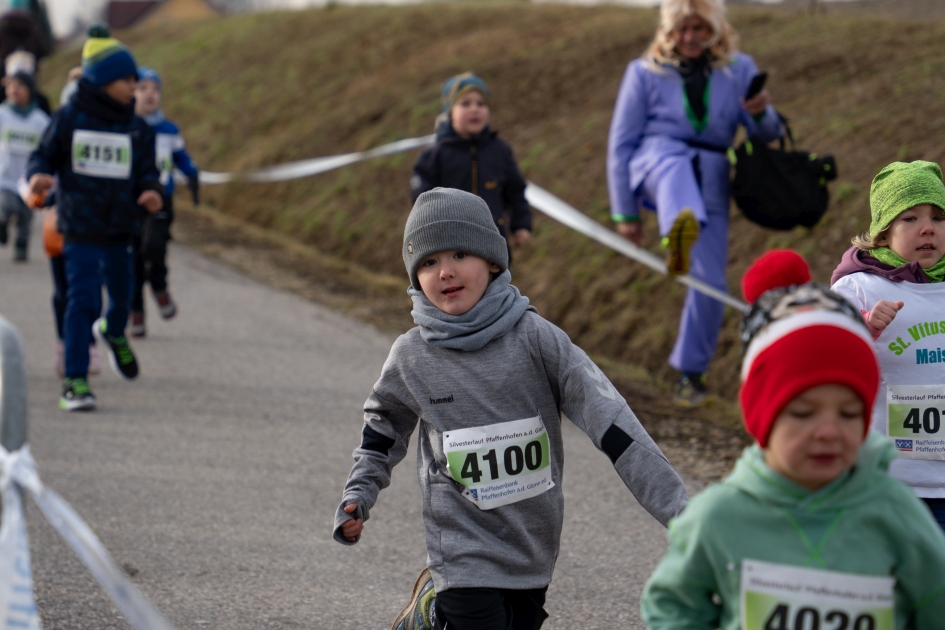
x=671, y=187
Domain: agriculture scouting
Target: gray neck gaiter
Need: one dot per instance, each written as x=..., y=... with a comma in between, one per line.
x=494, y=315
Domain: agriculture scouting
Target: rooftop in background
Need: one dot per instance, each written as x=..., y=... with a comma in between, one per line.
x=125, y=13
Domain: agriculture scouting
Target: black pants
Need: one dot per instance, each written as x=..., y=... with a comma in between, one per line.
x=490, y=609
x=60, y=287
x=151, y=254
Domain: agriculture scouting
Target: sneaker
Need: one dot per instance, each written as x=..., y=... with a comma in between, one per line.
x=95, y=361
x=679, y=242
x=4, y=234
x=76, y=395
x=121, y=357
x=690, y=391
x=137, y=328
x=165, y=304
x=60, y=359
x=419, y=613
x=20, y=254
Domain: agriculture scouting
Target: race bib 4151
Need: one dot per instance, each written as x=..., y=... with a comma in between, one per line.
x=500, y=463
x=914, y=415
x=101, y=154
x=784, y=597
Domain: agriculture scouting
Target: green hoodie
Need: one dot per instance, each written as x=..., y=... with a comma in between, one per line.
x=865, y=522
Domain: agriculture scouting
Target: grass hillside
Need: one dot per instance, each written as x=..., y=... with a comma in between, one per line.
x=256, y=90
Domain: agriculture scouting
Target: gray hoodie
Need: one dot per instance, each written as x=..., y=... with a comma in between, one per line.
x=532, y=371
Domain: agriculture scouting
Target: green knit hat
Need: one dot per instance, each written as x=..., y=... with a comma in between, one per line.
x=904, y=185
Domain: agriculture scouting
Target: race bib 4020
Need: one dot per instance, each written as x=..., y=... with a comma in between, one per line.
x=101, y=154
x=500, y=463
x=914, y=415
x=784, y=597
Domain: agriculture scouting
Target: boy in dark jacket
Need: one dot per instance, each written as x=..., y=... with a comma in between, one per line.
x=469, y=156
x=104, y=158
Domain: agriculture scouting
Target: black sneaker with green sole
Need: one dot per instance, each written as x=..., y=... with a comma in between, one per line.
x=120, y=356
x=76, y=395
x=690, y=391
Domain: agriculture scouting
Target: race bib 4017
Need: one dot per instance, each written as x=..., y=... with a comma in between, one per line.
x=914, y=416
x=500, y=463
x=101, y=154
x=783, y=597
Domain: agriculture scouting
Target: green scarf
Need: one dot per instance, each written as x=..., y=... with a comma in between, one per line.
x=936, y=272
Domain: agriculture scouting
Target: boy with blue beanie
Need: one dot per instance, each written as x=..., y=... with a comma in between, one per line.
x=103, y=156
x=151, y=246
x=487, y=380
x=469, y=156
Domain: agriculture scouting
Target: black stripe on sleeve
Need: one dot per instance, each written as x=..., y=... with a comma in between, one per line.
x=614, y=442
x=371, y=440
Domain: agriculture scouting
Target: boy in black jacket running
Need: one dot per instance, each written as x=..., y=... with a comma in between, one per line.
x=469, y=156
x=104, y=158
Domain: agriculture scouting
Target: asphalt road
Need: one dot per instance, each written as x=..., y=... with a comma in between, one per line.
x=213, y=478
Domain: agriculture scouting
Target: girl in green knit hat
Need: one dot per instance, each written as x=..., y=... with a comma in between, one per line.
x=894, y=274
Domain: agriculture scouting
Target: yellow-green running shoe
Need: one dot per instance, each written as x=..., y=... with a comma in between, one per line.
x=682, y=235
x=418, y=615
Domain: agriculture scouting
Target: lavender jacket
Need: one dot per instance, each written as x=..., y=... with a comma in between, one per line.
x=651, y=124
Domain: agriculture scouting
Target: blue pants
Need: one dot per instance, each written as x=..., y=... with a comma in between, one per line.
x=671, y=187
x=87, y=268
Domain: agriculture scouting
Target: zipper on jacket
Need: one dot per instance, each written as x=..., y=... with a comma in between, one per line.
x=475, y=170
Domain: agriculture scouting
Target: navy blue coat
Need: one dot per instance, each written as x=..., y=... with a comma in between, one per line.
x=95, y=209
x=484, y=166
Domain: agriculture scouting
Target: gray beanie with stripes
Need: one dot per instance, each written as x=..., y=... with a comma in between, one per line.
x=445, y=219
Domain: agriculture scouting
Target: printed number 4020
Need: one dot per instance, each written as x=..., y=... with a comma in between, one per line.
x=514, y=460
x=809, y=619
x=931, y=420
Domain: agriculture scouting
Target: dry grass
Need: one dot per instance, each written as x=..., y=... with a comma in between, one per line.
x=257, y=90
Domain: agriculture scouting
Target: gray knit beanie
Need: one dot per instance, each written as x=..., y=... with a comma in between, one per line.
x=445, y=219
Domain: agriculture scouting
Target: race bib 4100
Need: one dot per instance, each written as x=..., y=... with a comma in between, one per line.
x=783, y=597
x=500, y=463
x=101, y=154
x=914, y=415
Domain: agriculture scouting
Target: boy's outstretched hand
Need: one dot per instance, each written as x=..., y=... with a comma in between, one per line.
x=352, y=529
x=41, y=182
x=883, y=314
x=151, y=201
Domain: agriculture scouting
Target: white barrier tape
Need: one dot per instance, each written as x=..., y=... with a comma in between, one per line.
x=542, y=200
x=537, y=197
x=17, y=608
x=314, y=166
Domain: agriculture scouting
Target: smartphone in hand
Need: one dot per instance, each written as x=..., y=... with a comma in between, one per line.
x=757, y=84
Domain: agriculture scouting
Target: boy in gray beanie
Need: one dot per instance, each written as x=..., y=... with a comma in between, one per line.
x=487, y=380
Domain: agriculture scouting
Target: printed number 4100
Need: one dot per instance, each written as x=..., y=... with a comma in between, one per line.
x=514, y=460
x=931, y=420
x=809, y=619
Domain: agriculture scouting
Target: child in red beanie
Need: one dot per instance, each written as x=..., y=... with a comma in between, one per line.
x=809, y=530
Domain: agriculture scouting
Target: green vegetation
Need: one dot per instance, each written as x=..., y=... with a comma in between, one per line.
x=256, y=90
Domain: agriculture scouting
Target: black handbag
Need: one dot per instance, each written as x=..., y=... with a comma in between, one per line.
x=778, y=188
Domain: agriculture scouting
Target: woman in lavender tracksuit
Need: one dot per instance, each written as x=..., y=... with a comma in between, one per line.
x=677, y=112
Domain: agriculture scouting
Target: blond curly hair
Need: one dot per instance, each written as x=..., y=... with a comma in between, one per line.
x=722, y=45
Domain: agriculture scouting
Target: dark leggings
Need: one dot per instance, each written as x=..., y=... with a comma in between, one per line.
x=490, y=609
x=60, y=285
x=937, y=506
x=151, y=254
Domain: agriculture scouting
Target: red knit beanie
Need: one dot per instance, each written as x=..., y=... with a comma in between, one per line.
x=798, y=336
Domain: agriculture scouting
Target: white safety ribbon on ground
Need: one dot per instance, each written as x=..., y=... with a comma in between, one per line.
x=537, y=197
x=17, y=608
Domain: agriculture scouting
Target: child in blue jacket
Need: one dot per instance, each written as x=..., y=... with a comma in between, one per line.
x=103, y=156
x=151, y=247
